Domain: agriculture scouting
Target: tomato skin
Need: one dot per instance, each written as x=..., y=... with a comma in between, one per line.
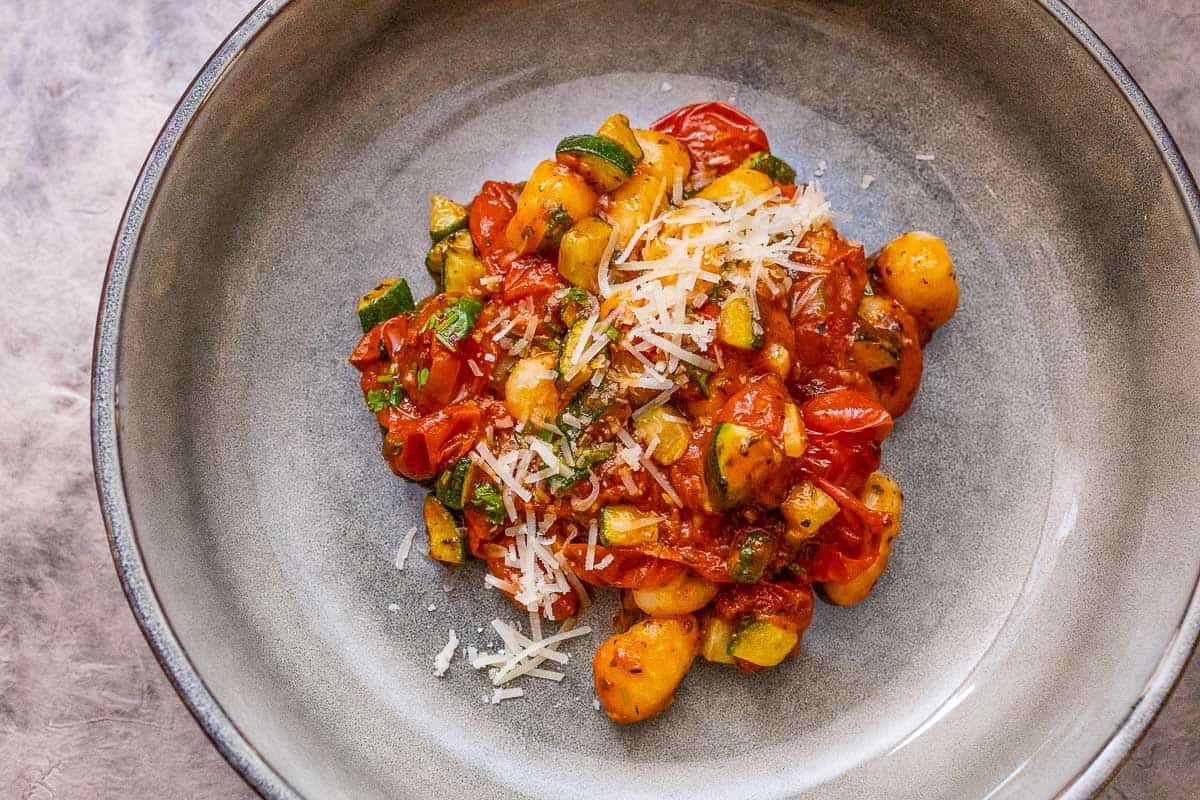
x=416, y=447
x=629, y=569
x=718, y=136
x=530, y=275
x=488, y=217
x=480, y=532
x=846, y=411
x=759, y=406
x=367, y=351
x=845, y=429
x=687, y=473
x=707, y=560
x=789, y=603
x=846, y=545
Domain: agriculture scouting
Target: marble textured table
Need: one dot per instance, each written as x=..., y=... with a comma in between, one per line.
x=85, y=711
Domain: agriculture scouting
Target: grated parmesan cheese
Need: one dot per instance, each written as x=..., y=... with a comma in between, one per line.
x=441, y=661
x=405, y=547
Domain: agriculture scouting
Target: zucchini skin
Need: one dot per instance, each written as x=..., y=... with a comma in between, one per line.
x=453, y=486
x=772, y=166
x=445, y=217
x=589, y=144
x=589, y=405
x=605, y=164
x=612, y=527
x=749, y=560
x=390, y=298
x=738, y=457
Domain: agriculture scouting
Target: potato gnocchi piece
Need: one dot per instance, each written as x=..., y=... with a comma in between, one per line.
x=916, y=270
x=636, y=672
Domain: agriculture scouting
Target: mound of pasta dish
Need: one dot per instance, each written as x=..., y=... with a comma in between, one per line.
x=656, y=366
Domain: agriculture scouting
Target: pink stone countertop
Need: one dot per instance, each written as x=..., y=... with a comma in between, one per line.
x=85, y=711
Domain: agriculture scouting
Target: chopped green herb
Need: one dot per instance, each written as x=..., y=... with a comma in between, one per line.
x=557, y=222
x=386, y=377
x=486, y=500
x=545, y=434
x=454, y=323
x=584, y=461
x=574, y=295
x=700, y=377
x=379, y=399
x=719, y=291
x=422, y=376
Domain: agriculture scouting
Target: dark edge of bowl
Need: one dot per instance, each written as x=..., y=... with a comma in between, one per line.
x=126, y=554
x=106, y=461
x=1091, y=780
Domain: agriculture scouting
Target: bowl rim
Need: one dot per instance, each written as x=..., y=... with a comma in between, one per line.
x=139, y=590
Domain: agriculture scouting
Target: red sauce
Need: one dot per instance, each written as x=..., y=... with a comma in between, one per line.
x=453, y=394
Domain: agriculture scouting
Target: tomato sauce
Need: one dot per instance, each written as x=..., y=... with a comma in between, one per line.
x=445, y=399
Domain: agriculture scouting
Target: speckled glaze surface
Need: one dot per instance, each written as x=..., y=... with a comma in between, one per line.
x=1040, y=601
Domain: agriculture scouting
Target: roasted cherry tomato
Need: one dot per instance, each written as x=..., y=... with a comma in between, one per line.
x=628, y=569
x=846, y=411
x=847, y=544
x=718, y=136
x=758, y=406
x=417, y=447
x=530, y=275
x=489, y=215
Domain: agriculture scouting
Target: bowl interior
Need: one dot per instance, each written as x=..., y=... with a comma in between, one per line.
x=1046, y=557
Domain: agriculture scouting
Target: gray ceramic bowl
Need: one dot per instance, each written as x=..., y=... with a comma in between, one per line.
x=1041, y=600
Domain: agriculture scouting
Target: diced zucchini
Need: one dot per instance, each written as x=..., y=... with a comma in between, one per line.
x=390, y=298
x=805, y=510
x=445, y=217
x=671, y=430
x=580, y=251
x=584, y=461
x=454, y=323
x=453, y=486
x=604, y=163
x=435, y=259
x=462, y=270
x=775, y=168
x=617, y=128
x=624, y=526
x=738, y=459
x=740, y=185
x=752, y=554
x=737, y=327
x=763, y=643
x=576, y=303
x=447, y=542
x=795, y=439
x=715, y=637
x=588, y=405
x=874, y=349
x=571, y=373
